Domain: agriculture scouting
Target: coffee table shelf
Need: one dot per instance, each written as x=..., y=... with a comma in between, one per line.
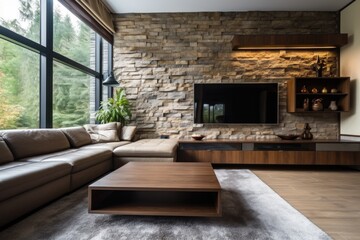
x=158, y=189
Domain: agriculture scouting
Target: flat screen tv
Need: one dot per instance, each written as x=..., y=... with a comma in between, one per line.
x=240, y=103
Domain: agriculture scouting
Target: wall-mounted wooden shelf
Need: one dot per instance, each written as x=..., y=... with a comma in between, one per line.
x=289, y=41
x=296, y=97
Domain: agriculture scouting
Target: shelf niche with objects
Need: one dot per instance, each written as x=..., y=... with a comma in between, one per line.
x=305, y=94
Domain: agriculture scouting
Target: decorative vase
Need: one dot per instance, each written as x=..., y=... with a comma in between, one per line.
x=317, y=104
x=319, y=72
x=318, y=67
x=333, y=106
x=303, y=89
x=306, y=104
x=306, y=135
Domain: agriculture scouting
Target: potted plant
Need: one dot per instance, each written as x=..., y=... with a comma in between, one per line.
x=115, y=109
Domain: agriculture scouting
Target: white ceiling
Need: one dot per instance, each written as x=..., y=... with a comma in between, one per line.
x=158, y=6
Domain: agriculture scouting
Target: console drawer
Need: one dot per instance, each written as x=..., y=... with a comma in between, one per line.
x=213, y=156
x=284, y=146
x=211, y=146
x=279, y=157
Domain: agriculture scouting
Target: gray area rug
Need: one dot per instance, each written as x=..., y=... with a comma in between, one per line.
x=251, y=210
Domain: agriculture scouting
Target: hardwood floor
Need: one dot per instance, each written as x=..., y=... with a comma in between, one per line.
x=329, y=197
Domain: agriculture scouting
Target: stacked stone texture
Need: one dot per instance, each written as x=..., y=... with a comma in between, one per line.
x=159, y=57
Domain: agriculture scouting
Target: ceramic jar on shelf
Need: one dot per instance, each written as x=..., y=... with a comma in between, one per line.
x=333, y=106
x=317, y=104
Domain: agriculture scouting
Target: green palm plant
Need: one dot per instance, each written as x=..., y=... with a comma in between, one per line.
x=116, y=109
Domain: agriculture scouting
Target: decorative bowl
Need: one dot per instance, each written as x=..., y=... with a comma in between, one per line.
x=197, y=137
x=287, y=136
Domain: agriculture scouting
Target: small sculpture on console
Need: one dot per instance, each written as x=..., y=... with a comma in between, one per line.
x=306, y=135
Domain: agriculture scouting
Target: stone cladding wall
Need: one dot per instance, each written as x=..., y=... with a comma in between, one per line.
x=159, y=57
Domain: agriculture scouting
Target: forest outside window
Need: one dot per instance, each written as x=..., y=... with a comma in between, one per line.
x=19, y=91
x=73, y=38
x=72, y=102
x=22, y=17
x=44, y=85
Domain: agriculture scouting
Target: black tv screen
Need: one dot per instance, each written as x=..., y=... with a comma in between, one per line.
x=241, y=103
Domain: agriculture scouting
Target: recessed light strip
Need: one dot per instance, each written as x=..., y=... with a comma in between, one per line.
x=285, y=47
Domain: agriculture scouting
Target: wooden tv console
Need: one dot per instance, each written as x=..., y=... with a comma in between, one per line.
x=304, y=152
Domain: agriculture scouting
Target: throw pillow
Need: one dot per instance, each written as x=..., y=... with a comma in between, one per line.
x=77, y=136
x=128, y=133
x=103, y=132
x=5, y=153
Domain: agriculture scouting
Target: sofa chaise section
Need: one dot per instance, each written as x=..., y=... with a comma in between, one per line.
x=156, y=150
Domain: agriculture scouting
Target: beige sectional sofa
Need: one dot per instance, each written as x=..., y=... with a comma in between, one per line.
x=40, y=165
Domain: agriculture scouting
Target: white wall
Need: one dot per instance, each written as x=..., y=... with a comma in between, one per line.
x=350, y=66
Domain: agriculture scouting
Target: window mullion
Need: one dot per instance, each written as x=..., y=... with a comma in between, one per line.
x=98, y=68
x=110, y=68
x=46, y=64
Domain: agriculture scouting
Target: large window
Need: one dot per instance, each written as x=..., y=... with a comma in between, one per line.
x=73, y=38
x=71, y=96
x=53, y=80
x=19, y=91
x=22, y=17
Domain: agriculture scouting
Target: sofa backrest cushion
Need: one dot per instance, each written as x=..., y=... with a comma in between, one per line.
x=5, y=153
x=103, y=132
x=128, y=133
x=31, y=142
x=77, y=136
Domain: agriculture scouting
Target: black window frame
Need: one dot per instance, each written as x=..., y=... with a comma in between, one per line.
x=48, y=56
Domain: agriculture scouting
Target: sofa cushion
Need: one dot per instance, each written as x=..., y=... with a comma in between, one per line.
x=42, y=157
x=77, y=136
x=5, y=153
x=127, y=133
x=79, y=159
x=11, y=165
x=26, y=176
x=30, y=142
x=109, y=145
x=103, y=132
x=148, y=148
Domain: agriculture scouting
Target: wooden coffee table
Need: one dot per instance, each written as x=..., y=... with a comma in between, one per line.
x=159, y=189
